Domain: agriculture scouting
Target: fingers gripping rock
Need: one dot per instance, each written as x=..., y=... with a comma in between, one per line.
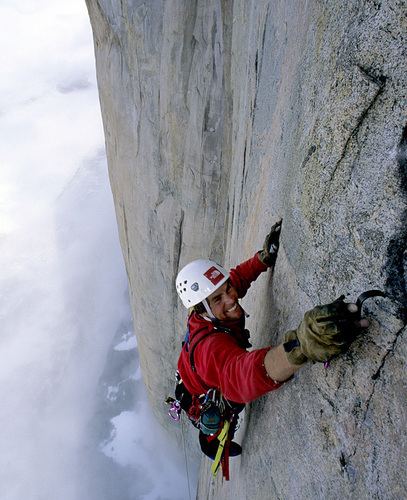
x=268, y=255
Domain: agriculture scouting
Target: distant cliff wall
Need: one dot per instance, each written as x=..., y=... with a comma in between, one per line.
x=220, y=117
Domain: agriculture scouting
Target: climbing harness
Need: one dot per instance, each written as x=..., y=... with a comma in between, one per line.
x=215, y=417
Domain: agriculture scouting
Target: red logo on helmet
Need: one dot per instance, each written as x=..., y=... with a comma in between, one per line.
x=214, y=275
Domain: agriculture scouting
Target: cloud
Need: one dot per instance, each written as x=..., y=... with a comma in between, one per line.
x=63, y=283
x=73, y=85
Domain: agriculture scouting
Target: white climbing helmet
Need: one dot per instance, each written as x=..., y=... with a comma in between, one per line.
x=199, y=279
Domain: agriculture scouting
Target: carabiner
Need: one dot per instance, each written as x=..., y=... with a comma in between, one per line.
x=175, y=411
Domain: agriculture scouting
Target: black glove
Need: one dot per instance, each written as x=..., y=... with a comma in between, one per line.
x=270, y=247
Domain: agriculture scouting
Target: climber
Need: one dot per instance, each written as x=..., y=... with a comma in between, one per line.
x=214, y=354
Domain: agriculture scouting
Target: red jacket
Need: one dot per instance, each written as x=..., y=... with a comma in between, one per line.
x=220, y=360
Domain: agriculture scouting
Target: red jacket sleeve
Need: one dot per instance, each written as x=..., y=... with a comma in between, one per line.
x=245, y=273
x=240, y=375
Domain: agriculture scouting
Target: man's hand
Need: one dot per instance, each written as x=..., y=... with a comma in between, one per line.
x=325, y=331
x=270, y=247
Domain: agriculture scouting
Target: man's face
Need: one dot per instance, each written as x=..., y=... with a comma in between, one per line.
x=224, y=303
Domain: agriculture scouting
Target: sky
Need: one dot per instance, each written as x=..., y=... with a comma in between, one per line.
x=74, y=416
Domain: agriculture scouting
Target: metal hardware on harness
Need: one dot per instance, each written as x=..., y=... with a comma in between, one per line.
x=212, y=412
x=175, y=409
x=213, y=396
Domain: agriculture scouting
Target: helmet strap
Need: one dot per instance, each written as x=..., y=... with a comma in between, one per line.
x=208, y=309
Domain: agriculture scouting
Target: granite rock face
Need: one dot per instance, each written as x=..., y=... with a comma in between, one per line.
x=222, y=116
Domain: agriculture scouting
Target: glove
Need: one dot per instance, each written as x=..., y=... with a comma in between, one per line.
x=270, y=247
x=325, y=331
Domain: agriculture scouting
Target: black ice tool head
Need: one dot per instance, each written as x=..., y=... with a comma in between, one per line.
x=367, y=295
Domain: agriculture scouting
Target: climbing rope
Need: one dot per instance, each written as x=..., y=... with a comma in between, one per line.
x=186, y=458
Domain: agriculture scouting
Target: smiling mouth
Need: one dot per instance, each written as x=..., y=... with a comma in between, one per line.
x=232, y=308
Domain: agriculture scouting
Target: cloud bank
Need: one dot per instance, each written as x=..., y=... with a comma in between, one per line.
x=74, y=418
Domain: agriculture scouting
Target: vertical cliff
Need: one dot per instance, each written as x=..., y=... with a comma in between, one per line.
x=221, y=116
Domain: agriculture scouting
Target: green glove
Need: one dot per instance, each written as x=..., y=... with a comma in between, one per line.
x=270, y=247
x=325, y=331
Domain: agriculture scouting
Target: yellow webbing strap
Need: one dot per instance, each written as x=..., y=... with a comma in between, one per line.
x=223, y=435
